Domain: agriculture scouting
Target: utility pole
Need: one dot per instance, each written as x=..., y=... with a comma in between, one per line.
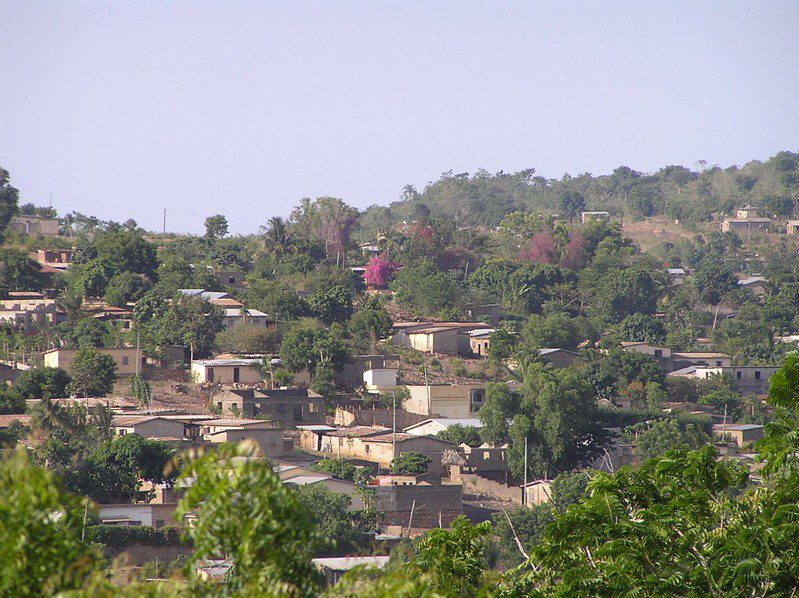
x=163, y=236
x=427, y=386
x=724, y=424
x=394, y=423
x=524, y=488
x=85, y=518
x=410, y=519
x=138, y=354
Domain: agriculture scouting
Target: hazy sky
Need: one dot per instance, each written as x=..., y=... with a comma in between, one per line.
x=120, y=109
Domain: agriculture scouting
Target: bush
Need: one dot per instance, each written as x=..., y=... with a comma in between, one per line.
x=42, y=383
x=11, y=401
x=410, y=463
x=144, y=535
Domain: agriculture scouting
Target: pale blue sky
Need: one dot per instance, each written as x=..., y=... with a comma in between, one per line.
x=122, y=108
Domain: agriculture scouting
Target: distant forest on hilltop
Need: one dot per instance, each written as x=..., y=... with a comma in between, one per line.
x=677, y=192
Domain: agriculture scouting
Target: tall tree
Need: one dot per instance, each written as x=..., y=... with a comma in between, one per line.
x=93, y=373
x=9, y=201
x=216, y=227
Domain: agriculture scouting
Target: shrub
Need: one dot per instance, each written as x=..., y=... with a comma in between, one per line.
x=144, y=535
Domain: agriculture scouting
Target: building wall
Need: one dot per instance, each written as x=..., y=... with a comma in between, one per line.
x=384, y=377
x=479, y=345
x=538, y=494
x=225, y=374
x=271, y=441
x=741, y=437
x=485, y=458
x=650, y=350
x=433, y=497
x=285, y=411
x=35, y=226
x=561, y=359
x=445, y=341
x=445, y=401
x=478, y=485
x=746, y=380
x=124, y=357
x=158, y=428
x=375, y=416
x=383, y=453
x=230, y=278
x=351, y=374
x=684, y=362
x=232, y=321
x=139, y=514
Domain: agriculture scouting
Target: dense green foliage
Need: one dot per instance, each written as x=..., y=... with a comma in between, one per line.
x=42, y=383
x=92, y=373
x=410, y=463
x=141, y=535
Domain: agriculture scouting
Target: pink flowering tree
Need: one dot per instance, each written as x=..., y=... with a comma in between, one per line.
x=573, y=256
x=379, y=271
x=540, y=248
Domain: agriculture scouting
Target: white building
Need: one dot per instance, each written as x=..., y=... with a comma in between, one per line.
x=235, y=317
x=379, y=380
x=431, y=427
x=226, y=371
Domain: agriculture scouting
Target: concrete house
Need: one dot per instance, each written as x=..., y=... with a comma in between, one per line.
x=380, y=380
x=432, y=504
x=479, y=341
x=741, y=433
x=35, y=226
x=676, y=276
x=792, y=228
x=445, y=400
x=747, y=380
x=150, y=426
x=757, y=284
x=657, y=351
x=268, y=437
x=537, y=492
x=120, y=318
x=233, y=317
x=380, y=445
x=483, y=458
x=287, y=407
x=435, y=339
x=150, y=514
x=226, y=371
x=350, y=375
x=746, y=219
x=55, y=258
x=683, y=359
x=334, y=567
x=126, y=358
x=218, y=298
x=559, y=358
x=448, y=338
x=229, y=278
x=431, y=427
x=28, y=311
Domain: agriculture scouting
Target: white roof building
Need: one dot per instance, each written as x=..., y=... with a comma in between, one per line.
x=431, y=427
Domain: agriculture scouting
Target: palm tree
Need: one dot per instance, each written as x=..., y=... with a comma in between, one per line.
x=277, y=237
x=102, y=420
x=70, y=302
